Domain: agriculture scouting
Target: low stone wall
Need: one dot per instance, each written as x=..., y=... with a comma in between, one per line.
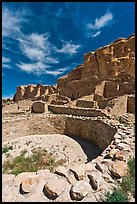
x=85, y=103
x=88, y=112
x=93, y=130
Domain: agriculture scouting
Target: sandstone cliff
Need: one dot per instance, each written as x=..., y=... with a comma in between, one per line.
x=108, y=72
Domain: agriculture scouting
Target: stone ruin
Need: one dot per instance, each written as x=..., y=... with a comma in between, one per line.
x=105, y=81
x=86, y=102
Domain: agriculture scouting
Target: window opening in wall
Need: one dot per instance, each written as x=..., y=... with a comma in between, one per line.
x=118, y=87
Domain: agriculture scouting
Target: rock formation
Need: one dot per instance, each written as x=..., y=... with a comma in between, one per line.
x=107, y=72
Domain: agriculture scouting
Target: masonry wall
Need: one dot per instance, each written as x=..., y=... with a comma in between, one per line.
x=77, y=111
x=95, y=131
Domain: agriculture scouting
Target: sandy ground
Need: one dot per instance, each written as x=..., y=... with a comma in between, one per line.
x=62, y=146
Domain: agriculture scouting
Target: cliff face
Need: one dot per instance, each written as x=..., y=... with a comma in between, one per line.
x=114, y=65
x=33, y=92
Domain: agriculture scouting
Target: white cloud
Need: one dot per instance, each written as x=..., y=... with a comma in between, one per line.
x=11, y=23
x=101, y=22
x=69, y=48
x=40, y=68
x=5, y=62
x=56, y=72
x=35, y=68
x=33, y=53
x=51, y=60
x=96, y=34
x=38, y=40
x=5, y=59
x=37, y=47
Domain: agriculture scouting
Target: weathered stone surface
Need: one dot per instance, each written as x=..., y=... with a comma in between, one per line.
x=117, y=141
x=117, y=136
x=123, y=146
x=102, y=135
x=119, y=155
x=118, y=105
x=36, y=197
x=85, y=103
x=33, y=91
x=8, y=179
x=79, y=172
x=89, y=198
x=95, y=179
x=9, y=193
x=61, y=170
x=54, y=187
x=28, y=183
x=89, y=167
x=118, y=169
x=100, y=167
x=79, y=190
x=39, y=107
x=105, y=63
x=19, y=178
x=107, y=177
x=71, y=177
x=113, y=152
x=65, y=195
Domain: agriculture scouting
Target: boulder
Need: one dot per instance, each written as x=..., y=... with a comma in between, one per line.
x=20, y=177
x=79, y=190
x=61, y=170
x=78, y=171
x=54, y=187
x=118, y=168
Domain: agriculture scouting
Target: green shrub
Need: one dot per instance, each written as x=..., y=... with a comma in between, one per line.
x=6, y=148
x=39, y=159
x=121, y=192
x=128, y=181
x=116, y=196
x=131, y=166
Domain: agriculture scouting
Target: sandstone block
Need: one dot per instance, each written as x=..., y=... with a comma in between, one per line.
x=119, y=155
x=19, y=178
x=61, y=170
x=79, y=190
x=54, y=187
x=118, y=169
x=28, y=183
x=78, y=171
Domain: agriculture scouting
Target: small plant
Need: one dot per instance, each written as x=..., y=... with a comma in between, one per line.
x=126, y=187
x=8, y=102
x=6, y=148
x=128, y=181
x=39, y=159
x=116, y=196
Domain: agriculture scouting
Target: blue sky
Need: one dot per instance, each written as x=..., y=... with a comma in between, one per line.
x=42, y=41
